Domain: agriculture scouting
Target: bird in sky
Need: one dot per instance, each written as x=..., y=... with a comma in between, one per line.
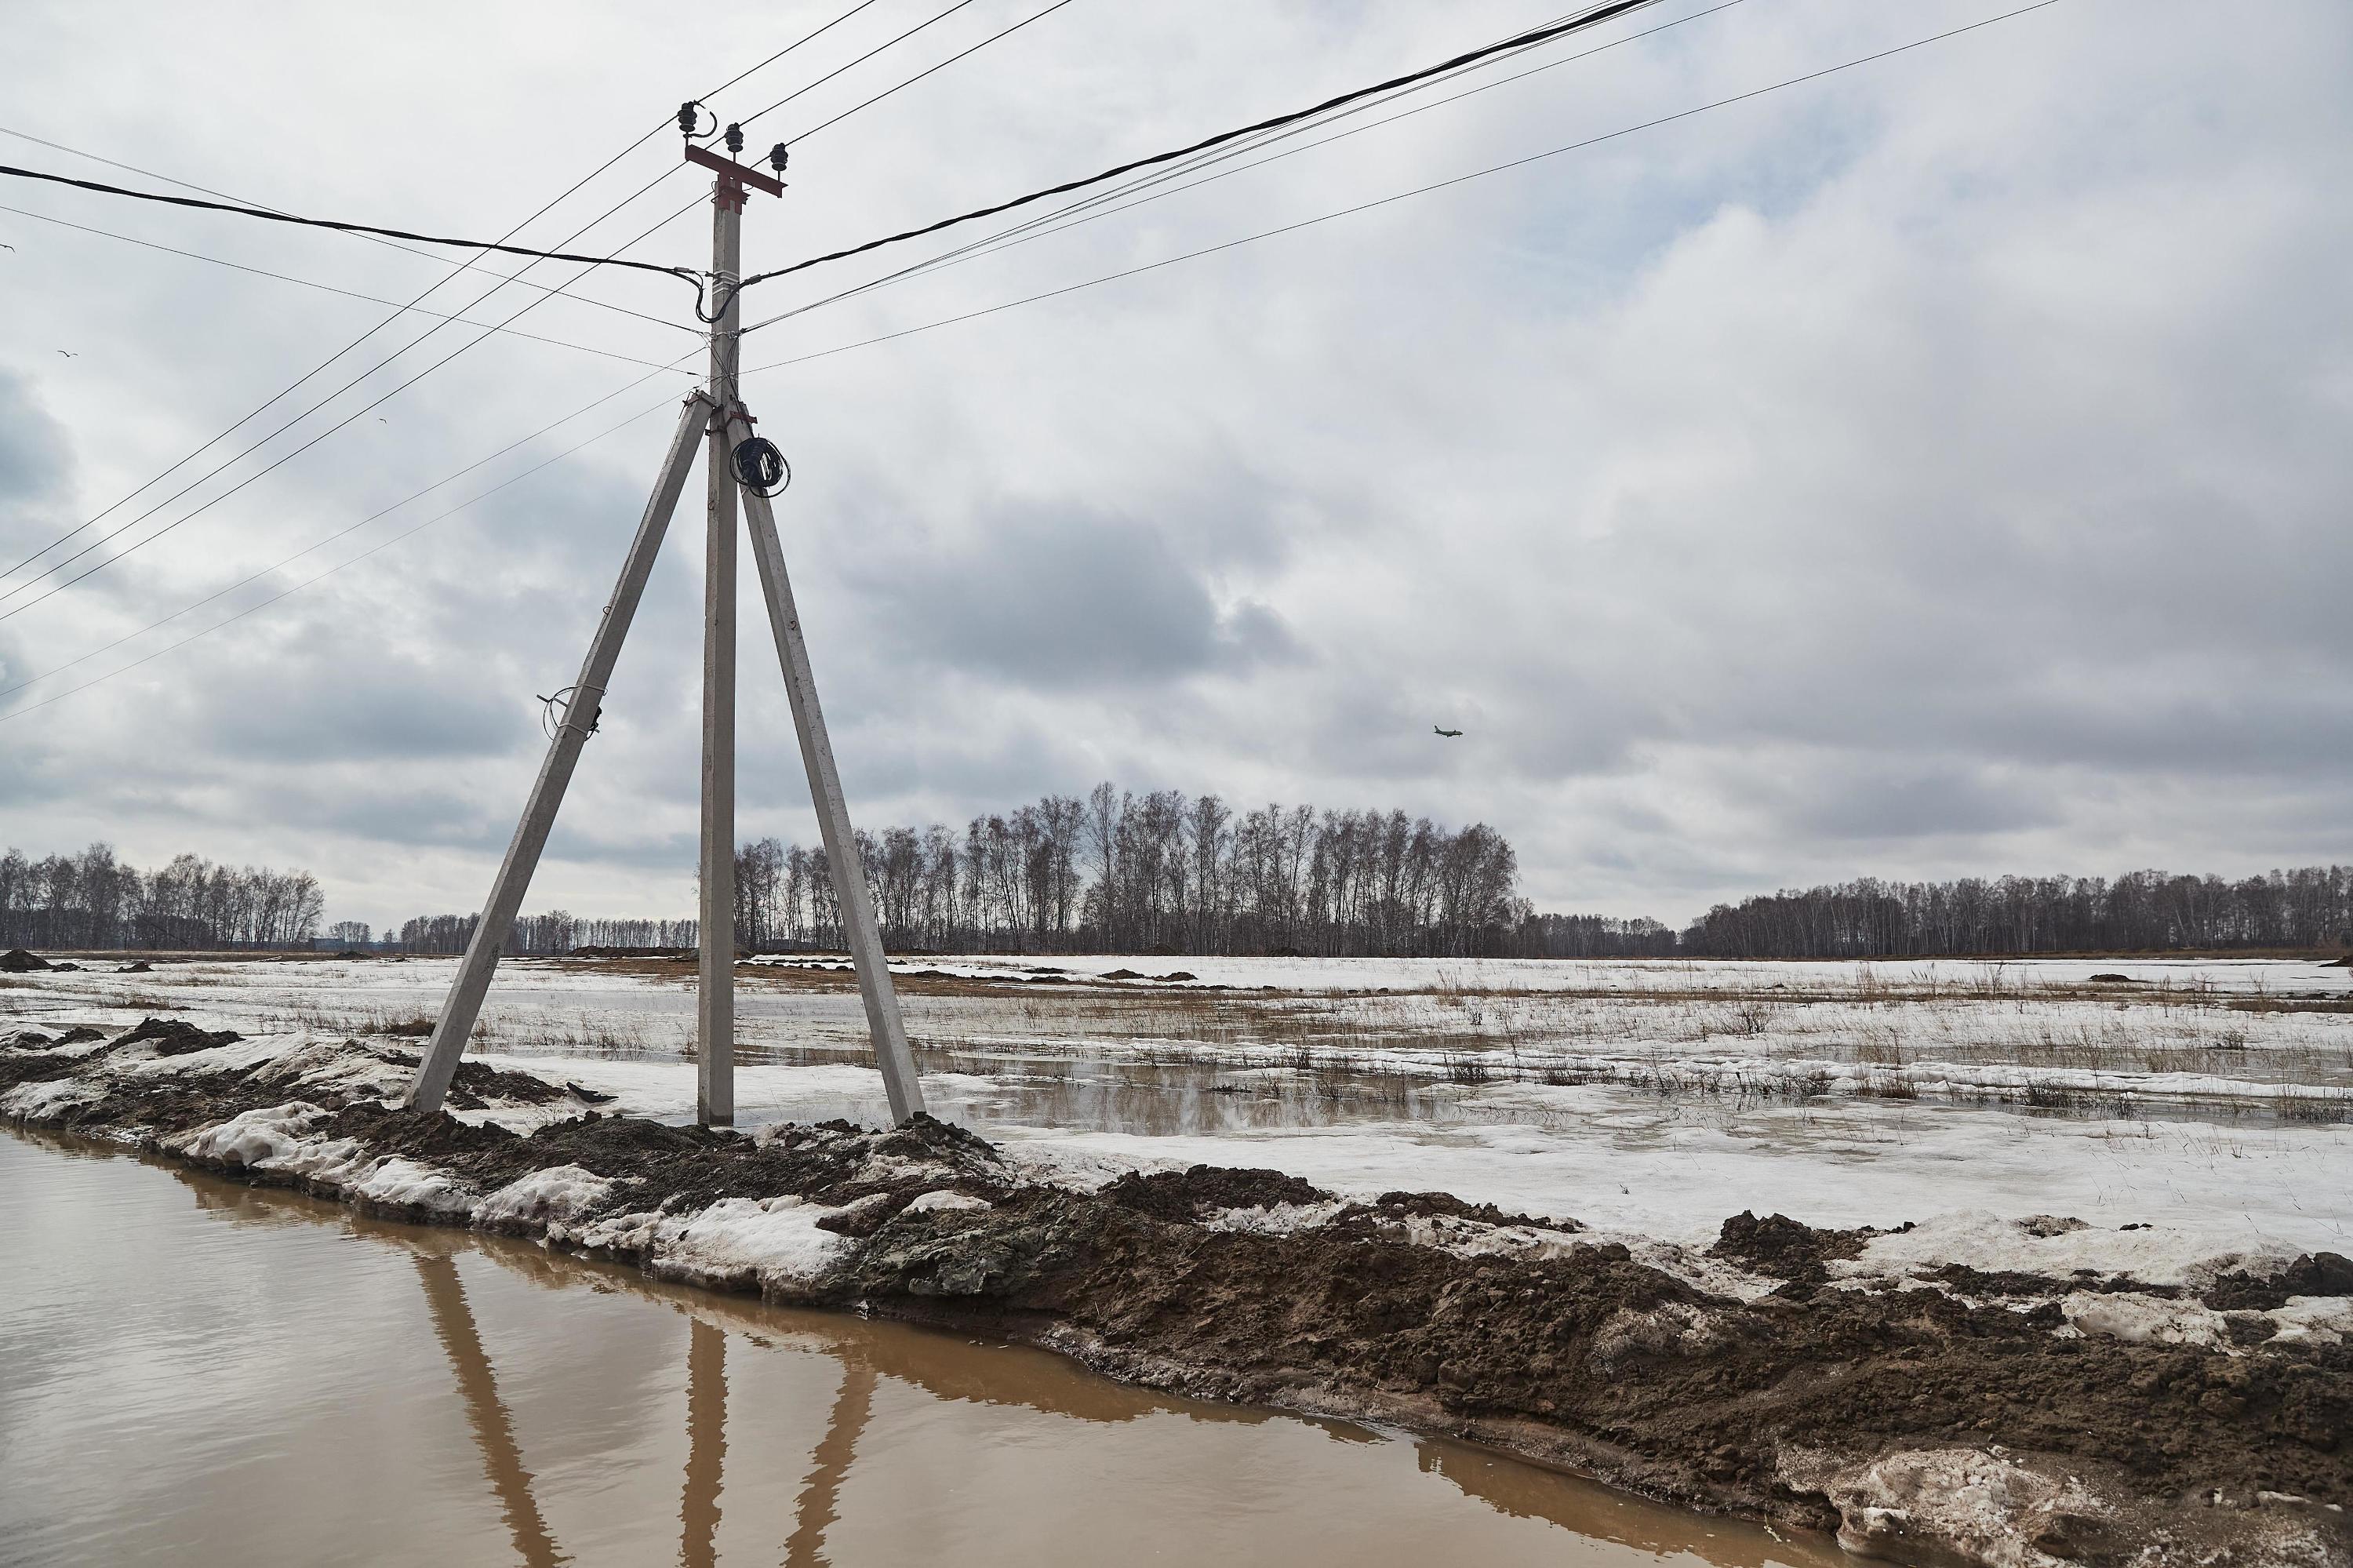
x=69, y=355
x=1448, y=734
x=5, y=245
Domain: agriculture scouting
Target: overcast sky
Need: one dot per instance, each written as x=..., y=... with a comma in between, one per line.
x=1937, y=467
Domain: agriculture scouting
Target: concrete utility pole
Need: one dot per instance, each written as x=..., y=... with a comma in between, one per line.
x=714, y=1003
x=718, y=417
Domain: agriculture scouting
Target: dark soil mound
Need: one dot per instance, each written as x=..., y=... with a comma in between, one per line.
x=141, y=968
x=16, y=961
x=1978, y=1282
x=1184, y=1196
x=1779, y=1246
x=476, y=1084
x=2113, y=980
x=1119, y=974
x=1434, y=1206
x=177, y=1037
x=2315, y=1274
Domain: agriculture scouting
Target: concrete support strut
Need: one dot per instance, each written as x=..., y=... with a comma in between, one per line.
x=464, y=1002
x=714, y=1001
x=882, y=1021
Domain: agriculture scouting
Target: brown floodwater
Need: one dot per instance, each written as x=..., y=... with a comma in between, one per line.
x=199, y=1372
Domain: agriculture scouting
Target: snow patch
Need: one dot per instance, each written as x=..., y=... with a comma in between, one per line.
x=2145, y=1320
x=1671, y=1328
x=2314, y=1319
x=251, y=1137
x=47, y=1099
x=553, y=1197
x=407, y=1183
x=1275, y=1219
x=1940, y=1504
x=2151, y=1254
x=942, y=1201
x=773, y=1242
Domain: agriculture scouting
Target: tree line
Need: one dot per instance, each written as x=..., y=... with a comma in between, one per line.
x=1158, y=873
x=93, y=900
x=1165, y=873
x=2142, y=911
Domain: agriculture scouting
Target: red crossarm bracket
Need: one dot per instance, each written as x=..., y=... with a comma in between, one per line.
x=735, y=171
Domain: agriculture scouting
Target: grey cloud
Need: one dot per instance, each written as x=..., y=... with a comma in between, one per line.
x=1065, y=598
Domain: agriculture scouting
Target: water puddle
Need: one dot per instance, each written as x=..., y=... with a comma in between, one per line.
x=199, y=1372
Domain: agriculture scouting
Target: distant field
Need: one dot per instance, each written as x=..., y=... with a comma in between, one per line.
x=1656, y=1094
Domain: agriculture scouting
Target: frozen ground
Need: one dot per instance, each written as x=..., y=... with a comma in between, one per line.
x=2209, y=1100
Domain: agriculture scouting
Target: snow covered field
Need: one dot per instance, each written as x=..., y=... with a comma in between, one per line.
x=2211, y=1100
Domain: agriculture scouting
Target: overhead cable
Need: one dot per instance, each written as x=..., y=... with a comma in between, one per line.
x=276, y=464
x=1408, y=195
x=806, y=87
x=321, y=544
x=927, y=71
x=324, y=288
x=1594, y=17
x=687, y=273
x=1091, y=209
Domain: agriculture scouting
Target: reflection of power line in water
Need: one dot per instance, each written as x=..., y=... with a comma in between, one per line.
x=820, y=1499
x=706, y=1443
x=477, y=1385
x=706, y=1436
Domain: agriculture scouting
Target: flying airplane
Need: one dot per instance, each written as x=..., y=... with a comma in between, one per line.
x=1448, y=734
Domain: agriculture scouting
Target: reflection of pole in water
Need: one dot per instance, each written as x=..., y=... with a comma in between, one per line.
x=477, y=1385
x=706, y=1443
x=820, y=1498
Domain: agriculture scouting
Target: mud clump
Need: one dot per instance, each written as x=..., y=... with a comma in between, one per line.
x=2314, y=1274
x=1445, y=1205
x=1185, y=1197
x=1964, y=1280
x=17, y=961
x=1785, y=1249
x=176, y=1036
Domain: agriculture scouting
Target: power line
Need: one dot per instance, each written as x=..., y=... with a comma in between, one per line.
x=927, y=71
x=314, y=283
x=870, y=54
x=1041, y=226
x=780, y=54
x=413, y=303
x=861, y=59
x=468, y=266
x=331, y=571
x=199, y=449
x=1594, y=17
x=1403, y=196
x=352, y=528
x=687, y=273
x=740, y=76
x=288, y=457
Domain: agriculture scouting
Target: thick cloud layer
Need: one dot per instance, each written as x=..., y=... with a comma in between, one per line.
x=1936, y=467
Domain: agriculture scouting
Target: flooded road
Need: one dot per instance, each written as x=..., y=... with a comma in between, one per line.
x=199, y=1372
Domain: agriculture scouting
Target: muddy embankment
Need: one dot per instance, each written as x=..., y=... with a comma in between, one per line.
x=1952, y=1415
